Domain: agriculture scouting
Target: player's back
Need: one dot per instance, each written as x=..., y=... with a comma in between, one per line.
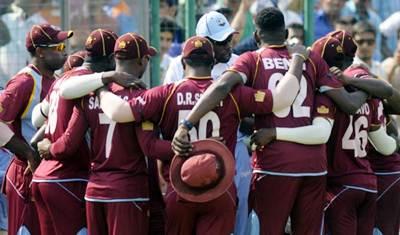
x=280, y=156
x=348, y=144
x=75, y=165
x=118, y=167
x=222, y=121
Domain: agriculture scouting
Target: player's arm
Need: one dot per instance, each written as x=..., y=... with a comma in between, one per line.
x=114, y=107
x=317, y=133
x=151, y=144
x=375, y=87
x=382, y=142
x=40, y=113
x=79, y=86
x=17, y=146
x=69, y=142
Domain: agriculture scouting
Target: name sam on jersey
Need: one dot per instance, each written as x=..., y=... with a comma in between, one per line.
x=94, y=102
x=278, y=63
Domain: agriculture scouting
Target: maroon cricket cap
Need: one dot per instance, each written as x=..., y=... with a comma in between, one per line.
x=132, y=46
x=100, y=43
x=330, y=49
x=198, y=47
x=74, y=60
x=347, y=42
x=45, y=34
x=206, y=174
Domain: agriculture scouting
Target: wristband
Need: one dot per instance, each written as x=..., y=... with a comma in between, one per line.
x=298, y=54
x=186, y=123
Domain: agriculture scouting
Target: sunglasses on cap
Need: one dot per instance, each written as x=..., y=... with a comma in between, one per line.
x=57, y=47
x=368, y=41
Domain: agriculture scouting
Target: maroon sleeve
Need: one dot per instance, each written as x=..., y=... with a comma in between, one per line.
x=74, y=136
x=251, y=101
x=324, y=79
x=15, y=98
x=377, y=112
x=150, y=104
x=324, y=106
x=151, y=144
x=246, y=64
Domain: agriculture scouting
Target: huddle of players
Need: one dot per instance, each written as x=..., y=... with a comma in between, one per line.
x=312, y=139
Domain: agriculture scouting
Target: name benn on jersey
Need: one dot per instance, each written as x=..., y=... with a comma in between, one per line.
x=278, y=63
x=364, y=110
x=187, y=98
x=94, y=102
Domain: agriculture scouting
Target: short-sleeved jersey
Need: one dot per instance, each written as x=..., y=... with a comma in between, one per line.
x=65, y=167
x=118, y=166
x=384, y=165
x=263, y=69
x=26, y=89
x=348, y=145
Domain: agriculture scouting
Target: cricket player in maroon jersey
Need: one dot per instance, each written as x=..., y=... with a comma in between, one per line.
x=63, y=173
x=117, y=192
x=23, y=92
x=168, y=104
x=350, y=190
x=262, y=69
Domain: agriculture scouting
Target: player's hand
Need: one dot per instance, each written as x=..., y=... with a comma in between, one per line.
x=123, y=79
x=299, y=49
x=33, y=162
x=340, y=75
x=262, y=137
x=181, y=144
x=44, y=148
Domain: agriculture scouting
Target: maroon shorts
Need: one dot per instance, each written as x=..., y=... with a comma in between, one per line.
x=209, y=218
x=117, y=218
x=350, y=211
x=275, y=198
x=60, y=206
x=22, y=215
x=388, y=204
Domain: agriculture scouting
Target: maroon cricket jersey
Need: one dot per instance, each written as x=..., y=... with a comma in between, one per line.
x=384, y=165
x=167, y=105
x=348, y=164
x=118, y=166
x=63, y=165
x=263, y=70
x=26, y=89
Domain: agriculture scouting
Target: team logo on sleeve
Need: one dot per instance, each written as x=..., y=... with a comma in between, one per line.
x=259, y=96
x=323, y=109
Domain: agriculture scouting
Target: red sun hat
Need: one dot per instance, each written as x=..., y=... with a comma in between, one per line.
x=206, y=174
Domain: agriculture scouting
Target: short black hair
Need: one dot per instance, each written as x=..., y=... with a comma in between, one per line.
x=167, y=25
x=270, y=19
x=363, y=27
x=296, y=26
